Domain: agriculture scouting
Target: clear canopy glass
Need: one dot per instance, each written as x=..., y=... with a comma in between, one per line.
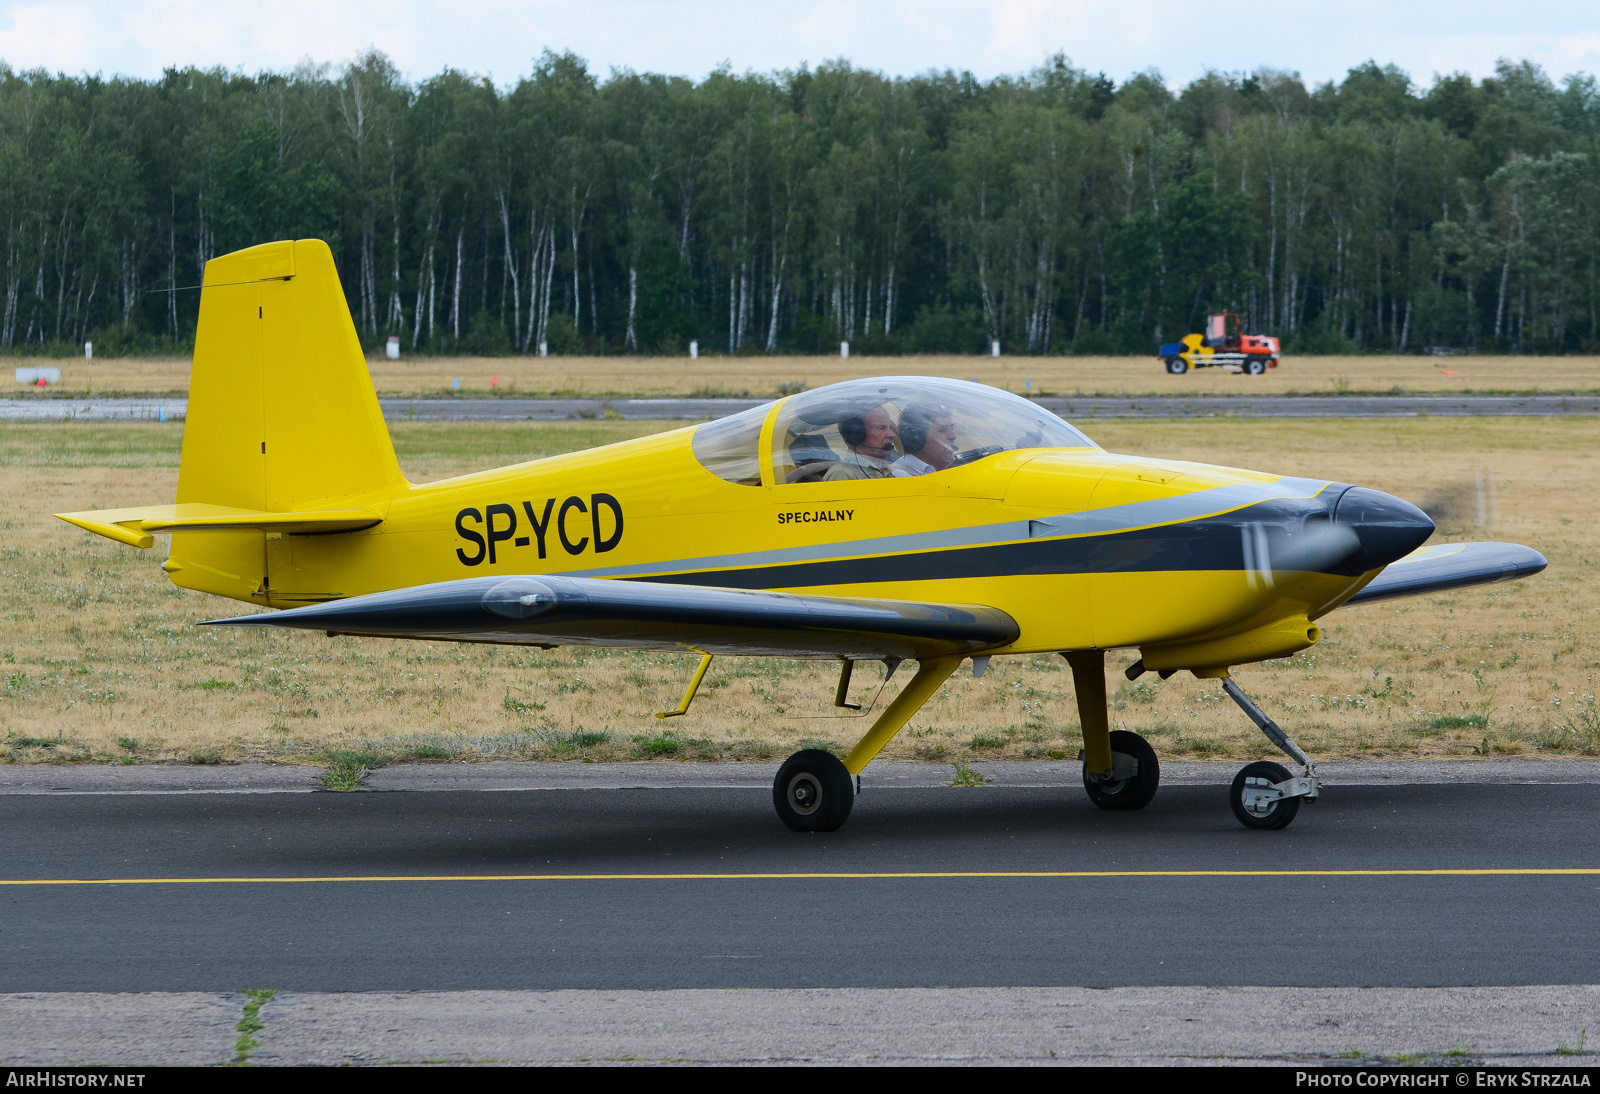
x=906, y=426
x=730, y=447
x=887, y=427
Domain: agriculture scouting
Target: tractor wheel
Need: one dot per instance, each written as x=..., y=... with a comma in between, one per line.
x=1177, y=366
x=1255, y=366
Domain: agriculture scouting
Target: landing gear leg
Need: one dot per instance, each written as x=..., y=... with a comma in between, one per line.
x=814, y=790
x=1264, y=795
x=1119, y=769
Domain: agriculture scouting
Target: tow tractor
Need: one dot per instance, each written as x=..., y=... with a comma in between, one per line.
x=1222, y=346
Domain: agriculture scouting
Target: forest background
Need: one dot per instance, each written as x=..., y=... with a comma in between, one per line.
x=1055, y=212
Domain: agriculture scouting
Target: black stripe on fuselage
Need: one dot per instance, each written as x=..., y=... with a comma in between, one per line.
x=1213, y=543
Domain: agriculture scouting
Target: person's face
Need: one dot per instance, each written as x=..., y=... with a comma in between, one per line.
x=941, y=446
x=880, y=432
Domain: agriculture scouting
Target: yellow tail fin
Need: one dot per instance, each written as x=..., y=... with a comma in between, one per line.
x=282, y=413
x=285, y=442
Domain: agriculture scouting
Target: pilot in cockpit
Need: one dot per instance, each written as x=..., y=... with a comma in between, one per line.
x=928, y=436
x=870, y=440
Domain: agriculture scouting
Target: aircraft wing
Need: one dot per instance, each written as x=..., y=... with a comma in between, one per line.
x=1451, y=566
x=554, y=611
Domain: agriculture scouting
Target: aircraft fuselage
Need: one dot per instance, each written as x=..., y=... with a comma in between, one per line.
x=1083, y=548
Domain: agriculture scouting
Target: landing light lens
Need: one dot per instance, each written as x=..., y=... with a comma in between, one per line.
x=520, y=598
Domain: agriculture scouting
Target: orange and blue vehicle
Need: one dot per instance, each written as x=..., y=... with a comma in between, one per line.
x=1222, y=346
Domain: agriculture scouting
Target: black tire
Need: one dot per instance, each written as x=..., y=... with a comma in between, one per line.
x=813, y=792
x=1131, y=793
x=1177, y=366
x=1255, y=366
x=1279, y=814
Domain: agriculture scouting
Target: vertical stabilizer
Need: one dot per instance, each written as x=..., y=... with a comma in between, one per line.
x=282, y=413
x=282, y=417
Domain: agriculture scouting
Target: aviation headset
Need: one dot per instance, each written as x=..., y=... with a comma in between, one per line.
x=915, y=422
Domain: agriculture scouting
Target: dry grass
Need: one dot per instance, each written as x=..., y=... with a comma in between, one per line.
x=765, y=376
x=99, y=659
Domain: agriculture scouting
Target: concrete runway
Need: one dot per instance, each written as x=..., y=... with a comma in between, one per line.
x=1338, y=1027
x=512, y=409
x=1074, y=959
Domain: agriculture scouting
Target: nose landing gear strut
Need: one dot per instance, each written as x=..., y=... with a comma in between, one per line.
x=1264, y=795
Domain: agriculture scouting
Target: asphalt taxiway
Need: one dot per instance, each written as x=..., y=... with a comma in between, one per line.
x=699, y=887
x=1073, y=408
x=546, y=911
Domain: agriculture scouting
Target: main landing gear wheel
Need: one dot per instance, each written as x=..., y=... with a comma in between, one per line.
x=1265, y=815
x=813, y=792
x=1134, y=760
x=1255, y=366
x=1177, y=366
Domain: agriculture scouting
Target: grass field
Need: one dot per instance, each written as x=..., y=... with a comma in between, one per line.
x=764, y=376
x=100, y=661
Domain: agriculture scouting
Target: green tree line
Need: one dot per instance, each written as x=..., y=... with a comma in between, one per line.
x=1054, y=212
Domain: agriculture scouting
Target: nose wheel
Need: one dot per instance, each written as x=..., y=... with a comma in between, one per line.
x=813, y=792
x=1257, y=800
x=1265, y=795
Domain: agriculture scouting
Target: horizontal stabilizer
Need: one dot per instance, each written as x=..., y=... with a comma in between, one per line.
x=1451, y=566
x=553, y=611
x=134, y=526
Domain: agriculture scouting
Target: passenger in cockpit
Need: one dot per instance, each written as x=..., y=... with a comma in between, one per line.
x=870, y=438
x=928, y=436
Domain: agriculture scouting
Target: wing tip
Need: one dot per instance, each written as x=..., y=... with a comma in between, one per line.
x=92, y=521
x=1506, y=562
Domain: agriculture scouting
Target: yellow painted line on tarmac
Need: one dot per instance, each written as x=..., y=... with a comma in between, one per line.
x=1583, y=871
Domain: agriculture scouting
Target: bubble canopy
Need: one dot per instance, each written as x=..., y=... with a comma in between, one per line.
x=885, y=427
x=906, y=426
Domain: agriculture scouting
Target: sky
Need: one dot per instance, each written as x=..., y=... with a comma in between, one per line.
x=500, y=38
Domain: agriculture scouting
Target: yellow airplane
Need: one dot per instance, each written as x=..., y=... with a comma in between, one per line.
x=885, y=519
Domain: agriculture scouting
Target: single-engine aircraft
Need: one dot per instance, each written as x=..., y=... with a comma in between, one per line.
x=887, y=519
